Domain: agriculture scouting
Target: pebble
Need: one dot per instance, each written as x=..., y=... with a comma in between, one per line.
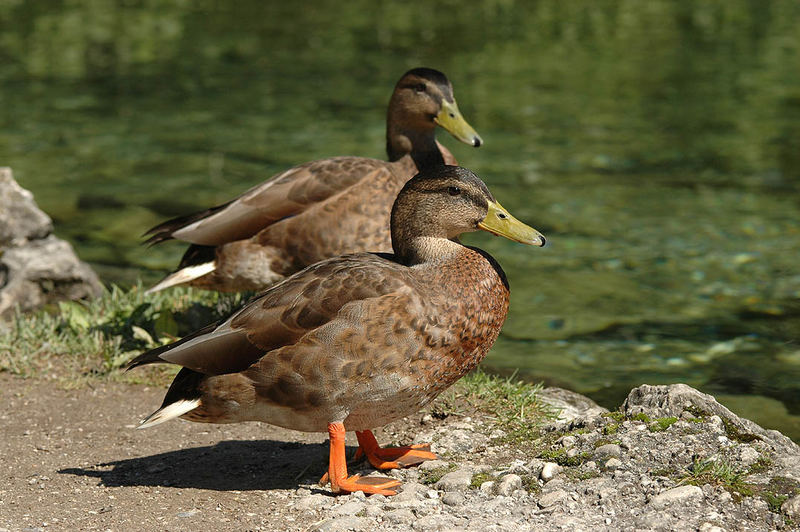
x=552, y=498
x=791, y=507
x=454, y=498
x=488, y=486
x=681, y=495
x=549, y=471
x=609, y=449
x=508, y=484
x=458, y=480
x=349, y=508
x=341, y=524
x=613, y=463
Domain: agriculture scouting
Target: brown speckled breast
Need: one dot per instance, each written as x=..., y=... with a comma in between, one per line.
x=380, y=359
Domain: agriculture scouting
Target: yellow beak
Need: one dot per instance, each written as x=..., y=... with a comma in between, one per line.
x=499, y=222
x=450, y=119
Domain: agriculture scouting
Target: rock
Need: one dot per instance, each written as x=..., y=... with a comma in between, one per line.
x=613, y=463
x=341, y=524
x=411, y=491
x=710, y=527
x=608, y=450
x=549, y=470
x=458, y=480
x=400, y=516
x=21, y=220
x=488, y=486
x=673, y=400
x=311, y=502
x=453, y=498
x=682, y=495
x=552, y=498
x=573, y=406
x=460, y=441
x=791, y=507
x=508, y=484
x=349, y=508
x=430, y=465
x=36, y=268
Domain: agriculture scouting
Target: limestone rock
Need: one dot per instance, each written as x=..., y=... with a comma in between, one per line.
x=36, y=267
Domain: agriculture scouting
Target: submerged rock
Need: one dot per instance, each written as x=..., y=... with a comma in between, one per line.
x=36, y=267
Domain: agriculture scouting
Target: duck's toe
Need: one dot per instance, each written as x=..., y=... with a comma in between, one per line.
x=370, y=485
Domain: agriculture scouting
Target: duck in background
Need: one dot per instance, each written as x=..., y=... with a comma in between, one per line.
x=320, y=209
x=360, y=340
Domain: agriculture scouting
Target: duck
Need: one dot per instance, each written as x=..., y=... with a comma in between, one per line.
x=357, y=341
x=319, y=209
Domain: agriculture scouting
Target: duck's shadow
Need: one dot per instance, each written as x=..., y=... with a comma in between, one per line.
x=228, y=465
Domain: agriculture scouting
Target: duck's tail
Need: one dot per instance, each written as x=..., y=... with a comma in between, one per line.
x=184, y=275
x=183, y=396
x=196, y=262
x=171, y=411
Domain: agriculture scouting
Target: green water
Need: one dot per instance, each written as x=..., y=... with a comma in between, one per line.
x=656, y=144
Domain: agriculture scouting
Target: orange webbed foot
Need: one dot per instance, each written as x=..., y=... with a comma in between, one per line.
x=391, y=457
x=369, y=485
x=337, y=470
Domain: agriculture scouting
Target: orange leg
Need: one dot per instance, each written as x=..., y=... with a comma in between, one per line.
x=391, y=457
x=337, y=469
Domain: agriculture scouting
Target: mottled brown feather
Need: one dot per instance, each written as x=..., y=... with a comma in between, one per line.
x=317, y=210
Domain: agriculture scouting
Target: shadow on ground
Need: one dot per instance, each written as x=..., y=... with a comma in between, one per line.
x=228, y=465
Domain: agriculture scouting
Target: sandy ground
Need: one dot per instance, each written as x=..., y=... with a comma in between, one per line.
x=74, y=460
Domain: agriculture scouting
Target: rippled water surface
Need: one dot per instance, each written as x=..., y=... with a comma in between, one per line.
x=656, y=144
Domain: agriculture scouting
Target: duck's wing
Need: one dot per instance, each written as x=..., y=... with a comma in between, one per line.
x=286, y=194
x=283, y=314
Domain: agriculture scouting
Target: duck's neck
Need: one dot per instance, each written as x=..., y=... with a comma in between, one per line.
x=421, y=145
x=425, y=249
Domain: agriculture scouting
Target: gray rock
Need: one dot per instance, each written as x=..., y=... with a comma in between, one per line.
x=508, y=484
x=682, y=495
x=453, y=498
x=411, y=491
x=400, y=516
x=342, y=524
x=21, y=220
x=552, y=498
x=608, y=450
x=458, y=480
x=673, y=400
x=613, y=463
x=549, y=470
x=573, y=406
x=488, y=486
x=311, y=502
x=36, y=268
x=791, y=507
x=349, y=508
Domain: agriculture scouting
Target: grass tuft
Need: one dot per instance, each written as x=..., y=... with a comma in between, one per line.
x=515, y=405
x=76, y=340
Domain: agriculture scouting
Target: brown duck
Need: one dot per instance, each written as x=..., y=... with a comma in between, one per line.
x=360, y=340
x=320, y=209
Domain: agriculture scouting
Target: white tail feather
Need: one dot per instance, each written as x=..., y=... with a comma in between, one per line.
x=190, y=273
x=173, y=410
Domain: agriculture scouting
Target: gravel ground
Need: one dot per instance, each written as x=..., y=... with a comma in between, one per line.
x=672, y=459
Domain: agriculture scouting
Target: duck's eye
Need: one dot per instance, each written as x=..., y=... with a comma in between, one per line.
x=420, y=87
x=453, y=191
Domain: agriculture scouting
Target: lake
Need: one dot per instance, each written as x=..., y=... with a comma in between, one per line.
x=656, y=144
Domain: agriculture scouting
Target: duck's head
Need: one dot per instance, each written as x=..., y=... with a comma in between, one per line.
x=423, y=99
x=444, y=202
